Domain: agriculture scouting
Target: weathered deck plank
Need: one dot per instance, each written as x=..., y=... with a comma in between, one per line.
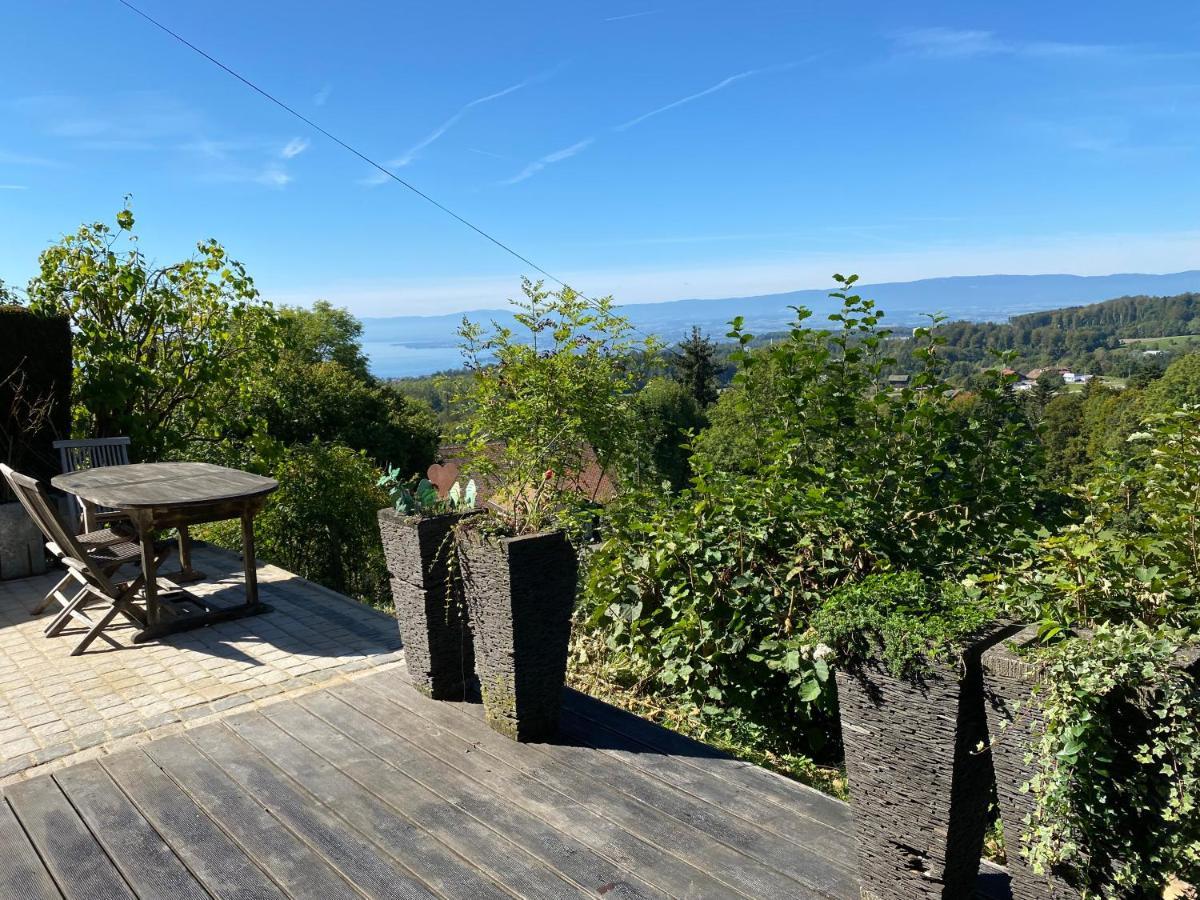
x=140, y=854
x=71, y=855
x=374, y=871
x=377, y=761
x=663, y=870
x=425, y=821
x=366, y=789
x=298, y=867
x=215, y=859
x=668, y=821
x=21, y=871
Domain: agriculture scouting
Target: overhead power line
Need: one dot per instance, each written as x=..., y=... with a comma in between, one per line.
x=368, y=160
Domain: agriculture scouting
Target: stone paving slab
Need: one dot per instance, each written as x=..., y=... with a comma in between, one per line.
x=55, y=707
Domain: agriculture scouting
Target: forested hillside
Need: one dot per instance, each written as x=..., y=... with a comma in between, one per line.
x=1087, y=338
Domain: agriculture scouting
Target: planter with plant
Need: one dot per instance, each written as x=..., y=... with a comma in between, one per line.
x=1095, y=709
x=911, y=706
x=548, y=424
x=418, y=542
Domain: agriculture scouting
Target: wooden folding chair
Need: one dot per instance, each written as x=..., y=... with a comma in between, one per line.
x=90, y=567
x=94, y=453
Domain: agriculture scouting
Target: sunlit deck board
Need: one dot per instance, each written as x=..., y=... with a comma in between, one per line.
x=368, y=789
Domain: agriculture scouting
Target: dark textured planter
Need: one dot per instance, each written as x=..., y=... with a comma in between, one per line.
x=427, y=592
x=919, y=788
x=1014, y=720
x=520, y=592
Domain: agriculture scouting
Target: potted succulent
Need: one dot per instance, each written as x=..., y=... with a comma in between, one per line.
x=911, y=706
x=1094, y=710
x=418, y=543
x=549, y=421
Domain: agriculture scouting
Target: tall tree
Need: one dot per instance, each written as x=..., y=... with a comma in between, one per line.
x=166, y=355
x=696, y=369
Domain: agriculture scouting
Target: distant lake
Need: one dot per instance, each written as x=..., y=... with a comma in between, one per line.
x=392, y=360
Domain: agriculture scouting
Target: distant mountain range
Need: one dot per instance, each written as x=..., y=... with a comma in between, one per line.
x=417, y=345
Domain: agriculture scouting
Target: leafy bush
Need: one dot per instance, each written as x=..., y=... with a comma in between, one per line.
x=710, y=592
x=321, y=522
x=328, y=402
x=167, y=355
x=666, y=414
x=1117, y=763
x=544, y=404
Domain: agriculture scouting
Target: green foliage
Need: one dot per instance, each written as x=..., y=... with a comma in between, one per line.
x=1086, y=338
x=545, y=403
x=324, y=333
x=903, y=620
x=165, y=355
x=696, y=368
x=1117, y=780
x=1179, y=386
x=711, y=591
x=707, y=593
x=35, y=390
x=1117, y=761
x=667, y=415
x=1133, y=553
x=321, y=522
x=300, y=402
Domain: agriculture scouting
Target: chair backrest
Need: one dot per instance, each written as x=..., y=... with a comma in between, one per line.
x=33, y=496
x=92, y=453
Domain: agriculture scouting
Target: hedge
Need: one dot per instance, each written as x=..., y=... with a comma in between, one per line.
x=35, y=375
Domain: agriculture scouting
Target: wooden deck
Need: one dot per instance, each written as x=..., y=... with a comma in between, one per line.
x=367, y=789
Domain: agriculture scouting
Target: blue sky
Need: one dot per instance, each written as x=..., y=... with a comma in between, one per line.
x=651, y=149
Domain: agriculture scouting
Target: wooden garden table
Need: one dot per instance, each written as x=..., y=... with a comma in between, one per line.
x=158, y=496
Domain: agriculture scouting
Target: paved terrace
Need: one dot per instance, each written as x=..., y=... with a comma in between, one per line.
x=286, y=756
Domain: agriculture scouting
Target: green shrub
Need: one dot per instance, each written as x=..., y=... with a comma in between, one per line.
x=709, y=593
x=548, y=402
x=1117, y=763
x=321, y=522
x=35, y=389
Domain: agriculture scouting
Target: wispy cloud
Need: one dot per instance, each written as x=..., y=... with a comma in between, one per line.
x=377, y=178
x=549, y=159
x=22, y=159
x=957, y=43
x=294, y=148
x=14, y=187
x=321, y=96
x=273, y=176
x=719, y=86
x=487, y=153
x=636, y=15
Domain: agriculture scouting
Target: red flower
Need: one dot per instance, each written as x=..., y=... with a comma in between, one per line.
x=549, y=474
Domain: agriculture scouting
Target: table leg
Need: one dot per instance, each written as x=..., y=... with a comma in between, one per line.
x=150, y=574
x=248, y=559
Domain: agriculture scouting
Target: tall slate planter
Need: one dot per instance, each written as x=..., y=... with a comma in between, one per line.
x=919, y=790
x=430, y=610
x=1014, y=721
x=520, y=592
